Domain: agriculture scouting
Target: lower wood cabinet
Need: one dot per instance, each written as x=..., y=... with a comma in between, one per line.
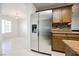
x=72, y=36
x=57, y=43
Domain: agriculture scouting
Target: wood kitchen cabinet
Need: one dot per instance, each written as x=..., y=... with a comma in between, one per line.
x=62, y=15
x=57, y=42
x=73, y=37
x=57, y=15
x=66, y=14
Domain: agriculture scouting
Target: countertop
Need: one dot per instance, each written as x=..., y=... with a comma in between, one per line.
x=74, y=45
x=64, y=32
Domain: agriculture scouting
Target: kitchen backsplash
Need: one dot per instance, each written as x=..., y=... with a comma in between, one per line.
x=61, y=25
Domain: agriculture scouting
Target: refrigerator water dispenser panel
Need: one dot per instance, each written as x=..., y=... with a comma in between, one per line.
x=34, y=28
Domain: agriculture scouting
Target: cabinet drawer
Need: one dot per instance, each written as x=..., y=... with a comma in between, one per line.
x=73, y=35
x=63, y=35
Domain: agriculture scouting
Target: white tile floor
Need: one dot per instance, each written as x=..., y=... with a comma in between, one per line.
x=16, y=47
x=54, y=53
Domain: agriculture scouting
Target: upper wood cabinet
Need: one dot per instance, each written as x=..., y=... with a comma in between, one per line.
x=66, y=14
x=63, y=14
x=57, y=15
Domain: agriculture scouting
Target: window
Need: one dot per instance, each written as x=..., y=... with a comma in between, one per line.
x=6, y=26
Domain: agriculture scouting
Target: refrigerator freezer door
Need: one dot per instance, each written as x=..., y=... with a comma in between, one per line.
x=45, y=31
x=34, y=36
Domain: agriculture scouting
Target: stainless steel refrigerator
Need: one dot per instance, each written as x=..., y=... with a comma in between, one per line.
x=41, y=32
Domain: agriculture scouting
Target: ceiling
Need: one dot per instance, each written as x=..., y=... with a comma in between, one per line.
x=44, y=6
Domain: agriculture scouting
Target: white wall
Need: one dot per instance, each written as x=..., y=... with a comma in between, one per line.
x=25, y=24
x=14, y=25
x=20, y=14
x=75, y=17
x=8, y=12
x=0, y=40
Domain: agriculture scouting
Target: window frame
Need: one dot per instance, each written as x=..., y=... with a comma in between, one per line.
x=6, y=26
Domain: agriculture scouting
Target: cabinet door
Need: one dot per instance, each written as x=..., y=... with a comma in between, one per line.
x=57, y=16
x=66, y=14
x=58, y=45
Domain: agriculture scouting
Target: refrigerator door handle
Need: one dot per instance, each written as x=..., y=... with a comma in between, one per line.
x=38, y=33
